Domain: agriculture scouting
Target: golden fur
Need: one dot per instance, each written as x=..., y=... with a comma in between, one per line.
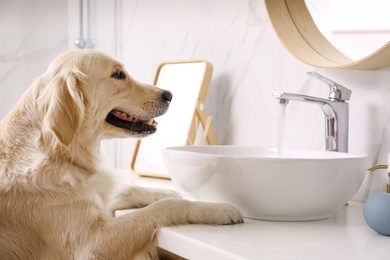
x=56, y=199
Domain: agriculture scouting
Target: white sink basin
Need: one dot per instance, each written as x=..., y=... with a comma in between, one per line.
x=264, y=184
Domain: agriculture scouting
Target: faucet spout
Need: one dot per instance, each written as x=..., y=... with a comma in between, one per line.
x=336, y=118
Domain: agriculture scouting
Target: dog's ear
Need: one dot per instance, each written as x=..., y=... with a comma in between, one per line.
x=65, y=108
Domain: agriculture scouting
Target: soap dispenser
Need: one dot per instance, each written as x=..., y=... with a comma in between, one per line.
x=377, y=209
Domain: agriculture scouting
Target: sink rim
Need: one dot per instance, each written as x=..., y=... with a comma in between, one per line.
x=272, y=153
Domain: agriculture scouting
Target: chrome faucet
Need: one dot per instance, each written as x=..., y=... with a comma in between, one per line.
x=335, y=109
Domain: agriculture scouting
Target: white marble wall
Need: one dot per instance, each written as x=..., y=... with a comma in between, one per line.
x=32, y=34
x=234, y=35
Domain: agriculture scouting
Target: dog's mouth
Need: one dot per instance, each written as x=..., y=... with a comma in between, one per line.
x=135, y=125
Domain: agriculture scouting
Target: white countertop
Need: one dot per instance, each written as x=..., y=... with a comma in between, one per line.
x=343, y=236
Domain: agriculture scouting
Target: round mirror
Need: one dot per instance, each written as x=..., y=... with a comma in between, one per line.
x=299, y=33
x=355, y=27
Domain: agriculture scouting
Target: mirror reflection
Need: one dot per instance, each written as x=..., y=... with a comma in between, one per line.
x=188, y=81
x=355, y=27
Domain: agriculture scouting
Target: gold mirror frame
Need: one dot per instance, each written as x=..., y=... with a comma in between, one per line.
x=300, y=36
x=199, y=118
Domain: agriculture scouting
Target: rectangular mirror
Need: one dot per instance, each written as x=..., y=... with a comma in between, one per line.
x=187, y=121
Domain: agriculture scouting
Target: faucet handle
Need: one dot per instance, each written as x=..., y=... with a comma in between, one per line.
x=336, y=91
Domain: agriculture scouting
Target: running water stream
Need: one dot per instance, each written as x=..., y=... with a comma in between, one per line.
x=281, y=123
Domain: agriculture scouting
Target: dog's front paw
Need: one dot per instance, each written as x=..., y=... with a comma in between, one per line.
x=138, y=197
x=207, y=212
x=220, y=214
x=178, y=212
x=227, y=214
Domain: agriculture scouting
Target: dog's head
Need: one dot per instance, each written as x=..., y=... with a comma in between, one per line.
x=88, y=94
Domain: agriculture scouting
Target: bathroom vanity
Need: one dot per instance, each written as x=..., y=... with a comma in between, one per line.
x=345, y=235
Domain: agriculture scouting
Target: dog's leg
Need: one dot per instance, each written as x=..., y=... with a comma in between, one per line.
x=135, y=232
x=139, y=197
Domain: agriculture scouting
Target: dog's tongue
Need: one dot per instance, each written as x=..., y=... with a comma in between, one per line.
x=125, y=117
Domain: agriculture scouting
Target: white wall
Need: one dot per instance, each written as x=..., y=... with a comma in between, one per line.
x=32, y=34
x=234, y=35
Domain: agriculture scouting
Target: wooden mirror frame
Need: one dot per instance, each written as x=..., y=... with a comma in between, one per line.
x=200, y=117
x=300, y=36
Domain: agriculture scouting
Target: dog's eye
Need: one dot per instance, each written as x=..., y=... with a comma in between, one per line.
x=118, y=75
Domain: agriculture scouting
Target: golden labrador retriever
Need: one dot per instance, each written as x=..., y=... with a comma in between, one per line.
x=55, y=194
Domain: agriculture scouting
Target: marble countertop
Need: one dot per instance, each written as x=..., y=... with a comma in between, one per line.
x=343, y=236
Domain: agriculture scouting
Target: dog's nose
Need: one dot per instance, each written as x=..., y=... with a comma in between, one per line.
x=166, y=96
